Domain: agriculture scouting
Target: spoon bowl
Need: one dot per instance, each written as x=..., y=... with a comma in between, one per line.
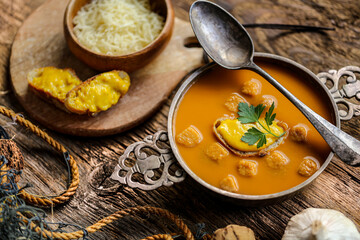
x=227, y=42
x=223, y=36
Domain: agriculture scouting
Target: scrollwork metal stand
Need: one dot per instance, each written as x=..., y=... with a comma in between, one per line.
x=343, y=94
x=150, y=155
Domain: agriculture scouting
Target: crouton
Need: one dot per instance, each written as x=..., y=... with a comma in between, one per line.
x=229, y=184
x=277, y=160
x=247, y=168
x=216, y=151
x=268, y=100
x=190, y=137
x=308, y=166
x=298, y=133
x=252, y=87
x=233, y=101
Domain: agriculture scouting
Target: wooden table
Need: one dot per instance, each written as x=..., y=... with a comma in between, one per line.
x=337, y=188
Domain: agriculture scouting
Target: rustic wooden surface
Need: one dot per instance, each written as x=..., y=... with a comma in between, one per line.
x=43, y=39
x=337, y=188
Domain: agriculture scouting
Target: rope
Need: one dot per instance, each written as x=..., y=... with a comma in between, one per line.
x=74, y=183
x=159, y=236
x=3, y=168
x=43, y=202
x=117, y=215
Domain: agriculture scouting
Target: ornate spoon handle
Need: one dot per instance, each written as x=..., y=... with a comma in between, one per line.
x=288, y=27
x=343, y=145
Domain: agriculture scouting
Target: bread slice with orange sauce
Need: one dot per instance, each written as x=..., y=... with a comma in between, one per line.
x=98, y=93
x=247, y=150
x=52, y=84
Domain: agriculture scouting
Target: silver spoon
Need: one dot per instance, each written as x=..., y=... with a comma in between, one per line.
x=226, y=41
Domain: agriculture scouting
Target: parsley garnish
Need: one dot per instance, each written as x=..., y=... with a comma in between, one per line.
x=251, y=114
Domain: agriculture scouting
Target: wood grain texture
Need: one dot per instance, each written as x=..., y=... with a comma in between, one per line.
x=40, y=43
x=338, y=187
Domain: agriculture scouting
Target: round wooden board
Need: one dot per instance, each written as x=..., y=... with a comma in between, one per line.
x=40, y=43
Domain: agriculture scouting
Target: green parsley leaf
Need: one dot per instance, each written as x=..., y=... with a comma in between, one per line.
x=269, y=116
x=252, y=136
x=251, y=114
x=258, y=110
x=262, y=141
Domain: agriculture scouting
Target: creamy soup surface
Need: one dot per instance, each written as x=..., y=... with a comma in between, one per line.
x=204, y=102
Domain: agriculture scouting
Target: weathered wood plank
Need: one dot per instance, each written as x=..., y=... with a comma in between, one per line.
x=338, y=187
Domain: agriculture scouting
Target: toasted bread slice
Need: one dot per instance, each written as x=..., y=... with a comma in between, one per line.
x=98, y=93
x=52, y=84
x=261, y=152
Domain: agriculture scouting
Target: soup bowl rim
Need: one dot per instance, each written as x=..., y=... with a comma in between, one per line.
x=191, y=79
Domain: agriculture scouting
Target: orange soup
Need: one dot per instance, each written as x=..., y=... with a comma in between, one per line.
x=302, y=150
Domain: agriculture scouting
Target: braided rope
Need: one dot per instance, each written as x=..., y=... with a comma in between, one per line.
x=207, y=237
x=3, y=178
x=117, y=215
x=64, y=197
x=159, y=236
x=43, y=202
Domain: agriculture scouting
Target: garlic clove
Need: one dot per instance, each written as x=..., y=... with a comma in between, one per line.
x=320, y=224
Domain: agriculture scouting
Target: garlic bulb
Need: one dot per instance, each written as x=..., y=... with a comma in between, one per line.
x=320, y=224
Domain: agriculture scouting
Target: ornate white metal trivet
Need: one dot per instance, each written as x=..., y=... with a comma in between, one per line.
x=153, y=158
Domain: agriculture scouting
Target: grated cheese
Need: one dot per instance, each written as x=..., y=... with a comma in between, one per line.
x=117, y=27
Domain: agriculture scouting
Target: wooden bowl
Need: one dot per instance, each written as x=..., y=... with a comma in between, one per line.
x=128, y=62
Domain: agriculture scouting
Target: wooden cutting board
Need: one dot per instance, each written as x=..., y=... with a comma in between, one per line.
x=40, y=43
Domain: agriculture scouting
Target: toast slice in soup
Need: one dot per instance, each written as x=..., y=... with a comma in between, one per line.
x=52, y=84
x=98, y=93
x=230, y=132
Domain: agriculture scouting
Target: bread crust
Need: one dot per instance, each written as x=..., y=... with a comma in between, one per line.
x=45, y=95
x=259, y=153
x=83, y=84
